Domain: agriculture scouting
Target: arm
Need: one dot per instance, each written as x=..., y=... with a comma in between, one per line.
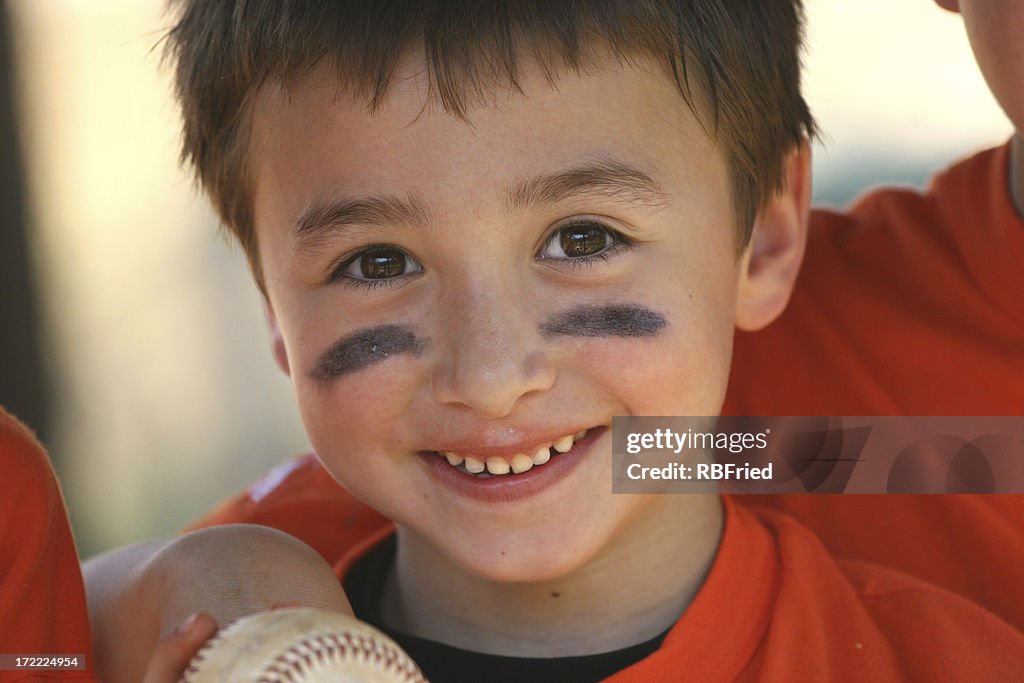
x=141, y=593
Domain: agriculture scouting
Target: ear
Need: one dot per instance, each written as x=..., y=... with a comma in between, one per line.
x=772, y=259
x=951, y=5
x=276, y=340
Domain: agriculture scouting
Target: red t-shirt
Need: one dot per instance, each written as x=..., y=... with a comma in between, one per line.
x=42, y=600
x=775, y=606
x=909, y=304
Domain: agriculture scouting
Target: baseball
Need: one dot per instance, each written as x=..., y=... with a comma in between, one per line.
x=299, y=645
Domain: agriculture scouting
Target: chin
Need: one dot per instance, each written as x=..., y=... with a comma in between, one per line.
x=524, y=557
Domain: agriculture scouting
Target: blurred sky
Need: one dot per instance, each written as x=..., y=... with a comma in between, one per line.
x=168, y=398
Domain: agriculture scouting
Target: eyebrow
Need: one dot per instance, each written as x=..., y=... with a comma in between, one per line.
x=320, y=219
x=606, y=177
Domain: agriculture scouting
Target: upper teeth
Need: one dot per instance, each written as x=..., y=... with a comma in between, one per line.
x=519, y=463
x=563, y=444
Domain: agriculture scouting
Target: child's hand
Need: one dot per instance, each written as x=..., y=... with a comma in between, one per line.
x=139, y=595
x=174, y=651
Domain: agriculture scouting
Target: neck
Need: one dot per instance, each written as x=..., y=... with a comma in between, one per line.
x=635, y=589
x=1017, y=172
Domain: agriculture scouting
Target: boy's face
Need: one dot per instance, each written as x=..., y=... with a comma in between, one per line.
x=488, y=286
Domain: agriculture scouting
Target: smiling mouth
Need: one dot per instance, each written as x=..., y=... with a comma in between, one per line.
x=499, y=466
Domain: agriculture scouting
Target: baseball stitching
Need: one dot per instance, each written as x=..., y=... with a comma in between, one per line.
x=313, y=651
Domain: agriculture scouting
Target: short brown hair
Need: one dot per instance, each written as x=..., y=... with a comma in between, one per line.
x=744, y=56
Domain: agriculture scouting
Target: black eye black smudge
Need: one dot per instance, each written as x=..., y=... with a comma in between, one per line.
x=365, y=348
x=624, y=320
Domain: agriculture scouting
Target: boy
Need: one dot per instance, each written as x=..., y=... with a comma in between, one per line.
x=925, y=316
x=894, y=261
x=482, y=232
x=42, y=602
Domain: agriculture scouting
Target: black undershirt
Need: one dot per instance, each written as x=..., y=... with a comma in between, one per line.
x=446, y=664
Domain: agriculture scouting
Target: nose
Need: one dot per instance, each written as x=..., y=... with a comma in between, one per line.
x=494, y=354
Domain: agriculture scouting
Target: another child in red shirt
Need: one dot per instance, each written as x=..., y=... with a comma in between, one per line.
x=913, y=304
x=42, y=602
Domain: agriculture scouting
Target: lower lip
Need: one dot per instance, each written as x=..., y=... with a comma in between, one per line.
x=505, y=488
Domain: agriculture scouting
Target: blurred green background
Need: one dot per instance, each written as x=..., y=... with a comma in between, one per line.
x=157, y=394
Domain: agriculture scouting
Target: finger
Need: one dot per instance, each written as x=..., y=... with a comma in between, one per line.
x=174, y=651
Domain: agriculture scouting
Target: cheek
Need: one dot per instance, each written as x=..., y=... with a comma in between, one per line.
x=351, y=426
x=349, y=408
x=681, y=371
x=354, y=415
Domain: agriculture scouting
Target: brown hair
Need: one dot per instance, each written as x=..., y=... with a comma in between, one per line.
x=743, y=56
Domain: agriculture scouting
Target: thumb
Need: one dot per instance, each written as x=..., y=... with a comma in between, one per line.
x=174, y=650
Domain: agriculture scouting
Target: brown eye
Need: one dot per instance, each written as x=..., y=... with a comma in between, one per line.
x=379, y=264
x=582, y=240
x=383, y=263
